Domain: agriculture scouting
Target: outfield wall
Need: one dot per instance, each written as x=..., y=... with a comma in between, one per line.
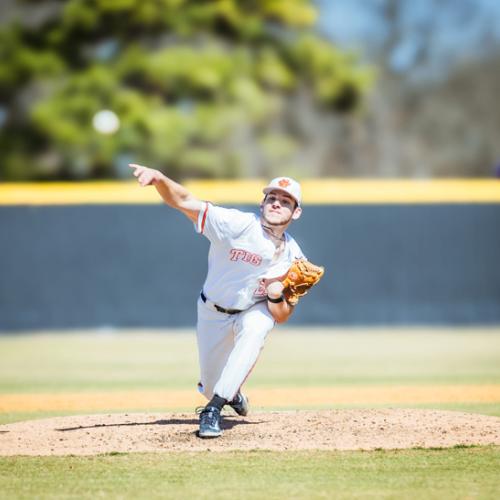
x=142, y=264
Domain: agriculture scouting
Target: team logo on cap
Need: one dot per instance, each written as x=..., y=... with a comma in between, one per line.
x=284, y=183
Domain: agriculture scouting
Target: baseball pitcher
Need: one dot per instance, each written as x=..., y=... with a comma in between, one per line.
x=256, y=274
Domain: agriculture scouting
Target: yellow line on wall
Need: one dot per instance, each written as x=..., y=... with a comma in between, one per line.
x=315, y=191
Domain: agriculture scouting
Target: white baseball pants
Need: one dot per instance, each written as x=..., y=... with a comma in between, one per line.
x=228, y=347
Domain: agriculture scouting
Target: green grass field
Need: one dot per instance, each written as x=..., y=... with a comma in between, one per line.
x=456, y=473
x=136, y=361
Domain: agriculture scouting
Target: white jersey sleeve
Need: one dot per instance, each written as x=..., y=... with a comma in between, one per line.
x=218, y=223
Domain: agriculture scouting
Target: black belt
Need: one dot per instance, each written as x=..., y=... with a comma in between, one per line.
x=219, y=308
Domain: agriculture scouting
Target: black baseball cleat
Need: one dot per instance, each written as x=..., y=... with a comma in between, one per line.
x=210, y=423
x=240, y=404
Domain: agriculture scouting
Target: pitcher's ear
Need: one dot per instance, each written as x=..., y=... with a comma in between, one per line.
x=297, y=213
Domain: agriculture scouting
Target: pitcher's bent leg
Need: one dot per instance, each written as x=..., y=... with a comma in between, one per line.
x=251, y=329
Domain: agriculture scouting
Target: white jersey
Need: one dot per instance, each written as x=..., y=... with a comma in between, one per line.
x=241, y=260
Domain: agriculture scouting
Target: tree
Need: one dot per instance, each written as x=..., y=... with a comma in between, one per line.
x=200, y=87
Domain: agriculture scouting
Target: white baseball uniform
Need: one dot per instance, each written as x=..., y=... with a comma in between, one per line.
x=242, y=261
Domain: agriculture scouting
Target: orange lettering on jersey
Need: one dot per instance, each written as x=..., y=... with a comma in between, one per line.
x=236, y=254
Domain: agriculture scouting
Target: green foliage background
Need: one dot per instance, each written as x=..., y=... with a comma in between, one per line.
x=202, y=88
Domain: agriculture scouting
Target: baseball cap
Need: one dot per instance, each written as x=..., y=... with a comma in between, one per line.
x=287, y=184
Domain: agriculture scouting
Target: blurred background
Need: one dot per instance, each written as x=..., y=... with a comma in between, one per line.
x=227, y=94
x=227, y=88
x=387, y=111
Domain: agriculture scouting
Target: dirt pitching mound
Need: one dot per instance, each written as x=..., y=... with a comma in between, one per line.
x=294, y=430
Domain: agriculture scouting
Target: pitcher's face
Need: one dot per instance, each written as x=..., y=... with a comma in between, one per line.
x=279, y=208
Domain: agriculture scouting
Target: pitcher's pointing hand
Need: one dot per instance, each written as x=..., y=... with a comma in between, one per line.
x=146, y=176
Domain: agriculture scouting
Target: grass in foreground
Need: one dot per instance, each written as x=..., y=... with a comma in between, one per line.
x=452, y=473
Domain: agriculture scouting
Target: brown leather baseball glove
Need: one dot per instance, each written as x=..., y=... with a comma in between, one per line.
x=301, y=276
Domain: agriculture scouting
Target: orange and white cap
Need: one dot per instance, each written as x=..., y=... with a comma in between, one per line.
x=287, y=184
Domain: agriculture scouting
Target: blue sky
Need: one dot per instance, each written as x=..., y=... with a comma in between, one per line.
x=461, y=23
